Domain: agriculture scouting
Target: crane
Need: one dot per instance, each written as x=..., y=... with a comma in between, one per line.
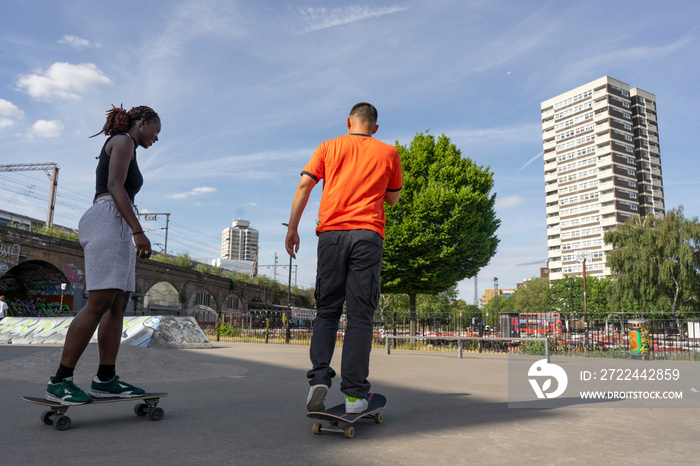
x=546, y=261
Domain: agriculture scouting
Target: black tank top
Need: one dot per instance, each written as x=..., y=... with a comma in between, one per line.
x=134, y=179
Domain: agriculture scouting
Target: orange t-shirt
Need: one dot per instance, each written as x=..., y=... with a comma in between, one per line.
x=357, y=171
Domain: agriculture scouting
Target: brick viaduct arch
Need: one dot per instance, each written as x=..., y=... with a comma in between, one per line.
x=33, y=266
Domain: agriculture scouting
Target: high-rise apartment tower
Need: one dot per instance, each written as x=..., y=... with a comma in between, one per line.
x=239, y=242
x=602, y=166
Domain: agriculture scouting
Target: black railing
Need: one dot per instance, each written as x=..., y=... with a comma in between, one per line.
x=667, y=338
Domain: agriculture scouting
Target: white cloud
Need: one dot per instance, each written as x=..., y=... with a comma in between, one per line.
x=323, y=18
x=509, y=202
x=76, y=42
x=530, y=132
x=530, y=161
x=643, y=56
x=191, y=19
x=9, y=112
x=63, y=81
x=46, y=129
x=194, y=192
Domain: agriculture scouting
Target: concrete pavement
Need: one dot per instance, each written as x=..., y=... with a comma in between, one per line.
x=243, y=403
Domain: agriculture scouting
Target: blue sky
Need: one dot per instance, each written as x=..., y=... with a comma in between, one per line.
x=247, y=89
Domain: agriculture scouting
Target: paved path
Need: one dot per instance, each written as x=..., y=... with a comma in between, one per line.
x=245, y=405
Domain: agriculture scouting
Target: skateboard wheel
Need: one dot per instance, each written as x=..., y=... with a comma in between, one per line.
x=378, y=418
x=317, y=429
x=62, y=423
x=349, y=432
x=156, y=414
x=141, y=409
x=46, y=417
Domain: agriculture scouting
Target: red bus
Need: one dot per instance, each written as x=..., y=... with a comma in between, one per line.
x=540, y=323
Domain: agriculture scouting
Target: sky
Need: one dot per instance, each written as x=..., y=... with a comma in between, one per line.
x=246, y=90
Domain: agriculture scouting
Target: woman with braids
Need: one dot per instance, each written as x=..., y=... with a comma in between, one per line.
x=108, y=232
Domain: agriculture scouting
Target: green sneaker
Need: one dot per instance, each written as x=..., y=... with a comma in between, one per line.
x=66, y=393
x=114, y=387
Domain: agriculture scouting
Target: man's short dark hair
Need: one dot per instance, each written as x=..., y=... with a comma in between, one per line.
x=365, y=112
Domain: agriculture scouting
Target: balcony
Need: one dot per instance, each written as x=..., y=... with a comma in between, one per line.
x=603, y=103
x=608, y=221
x=552, y=198
x=604, y=173
x=604, y=155
x=608, y=197
x=554, y=264
x=602, y=138
x=554, y=230
x=606, y=185
x=608, y=209
x=605, y=126
x=554, y=242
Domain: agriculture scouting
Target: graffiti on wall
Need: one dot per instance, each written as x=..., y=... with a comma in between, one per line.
x=10, y=253
x=39, y=306
x=147, y=331
x=73, y=274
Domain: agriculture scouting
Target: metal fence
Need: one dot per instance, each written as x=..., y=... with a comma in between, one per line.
x=667, y=338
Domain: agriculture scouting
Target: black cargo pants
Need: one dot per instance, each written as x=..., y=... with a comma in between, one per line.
x=348, y=270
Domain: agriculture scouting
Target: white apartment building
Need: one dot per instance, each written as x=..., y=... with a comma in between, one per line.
x=239, y=242
x=601, y=166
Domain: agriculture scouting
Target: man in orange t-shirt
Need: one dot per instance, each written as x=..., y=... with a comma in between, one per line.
x=359, y=175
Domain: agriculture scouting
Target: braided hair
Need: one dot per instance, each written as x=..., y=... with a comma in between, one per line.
x=119, y=120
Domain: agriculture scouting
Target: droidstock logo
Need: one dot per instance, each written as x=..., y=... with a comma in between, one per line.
x=547, y=371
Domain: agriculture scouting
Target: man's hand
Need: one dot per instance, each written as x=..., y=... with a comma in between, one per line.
x=291, y=243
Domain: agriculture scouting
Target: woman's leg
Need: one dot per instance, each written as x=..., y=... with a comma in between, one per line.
x=84, y=325
x=110, y=333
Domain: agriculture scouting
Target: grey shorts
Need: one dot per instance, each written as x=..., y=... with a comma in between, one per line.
x=108, y=246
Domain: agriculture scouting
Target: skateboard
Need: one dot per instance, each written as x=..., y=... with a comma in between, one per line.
x=335, y=415
x=147, y=407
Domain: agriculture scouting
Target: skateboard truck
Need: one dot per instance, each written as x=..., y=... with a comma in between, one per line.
x=349, y=431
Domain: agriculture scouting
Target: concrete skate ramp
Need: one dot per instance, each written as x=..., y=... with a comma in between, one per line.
x=146, y=331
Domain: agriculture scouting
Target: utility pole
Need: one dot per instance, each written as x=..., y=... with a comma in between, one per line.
x=153, y=216
x=275, y=266
x=17, y=167
x=495, y=286
x=585, y=302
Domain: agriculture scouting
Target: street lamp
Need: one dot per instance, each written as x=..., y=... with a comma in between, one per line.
x=583, y=256
x=289, y=296
x=63, y=289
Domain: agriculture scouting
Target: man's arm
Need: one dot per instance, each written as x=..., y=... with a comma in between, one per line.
x=301, y=197
x=392, y=197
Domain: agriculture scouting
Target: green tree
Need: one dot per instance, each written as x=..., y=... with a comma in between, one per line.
x=532, y=296
x=491, y=313
x=443, y=228
x=657, y=259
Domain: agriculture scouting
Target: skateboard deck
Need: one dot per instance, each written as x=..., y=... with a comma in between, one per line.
x=335, y=415
x=147, y=407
